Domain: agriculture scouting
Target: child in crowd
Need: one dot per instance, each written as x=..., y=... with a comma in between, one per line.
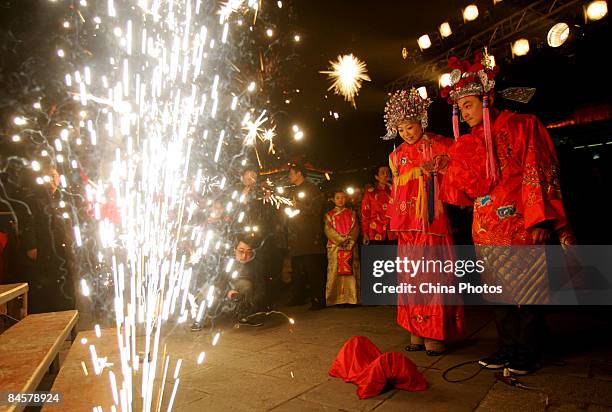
x=342, y=230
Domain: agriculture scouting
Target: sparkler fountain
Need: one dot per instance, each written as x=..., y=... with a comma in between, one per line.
x=164, y=118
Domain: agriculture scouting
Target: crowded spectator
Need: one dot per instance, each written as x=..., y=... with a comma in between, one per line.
x=374, y=220
x=264, y=220
x=305, y=239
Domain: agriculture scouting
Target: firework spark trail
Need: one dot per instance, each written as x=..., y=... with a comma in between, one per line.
x=160, y=93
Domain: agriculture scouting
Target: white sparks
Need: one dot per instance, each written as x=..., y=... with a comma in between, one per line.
x=201, y=357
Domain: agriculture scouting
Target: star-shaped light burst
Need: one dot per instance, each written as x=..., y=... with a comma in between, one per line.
x=347, y=74
x=254, y=129
x=268, y=135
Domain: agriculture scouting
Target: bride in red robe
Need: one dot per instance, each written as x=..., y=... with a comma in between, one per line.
x=418, y=218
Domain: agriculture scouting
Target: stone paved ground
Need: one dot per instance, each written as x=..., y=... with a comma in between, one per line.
x=282, y=368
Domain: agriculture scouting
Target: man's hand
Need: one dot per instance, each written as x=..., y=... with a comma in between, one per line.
x=540, y=236
x=366, y=239
x=436, y=164
x=428, y=167
x=441, y=162
x=32, y=254
x=232, y=294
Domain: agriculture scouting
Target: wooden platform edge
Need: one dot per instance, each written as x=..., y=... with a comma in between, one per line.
x=44, y=366
x=40, y=371
x=18, y=290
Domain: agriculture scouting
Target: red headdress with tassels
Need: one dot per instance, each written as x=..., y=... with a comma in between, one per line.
x=474, y=79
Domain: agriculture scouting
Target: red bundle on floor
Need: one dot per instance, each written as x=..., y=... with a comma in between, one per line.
x=361, y=362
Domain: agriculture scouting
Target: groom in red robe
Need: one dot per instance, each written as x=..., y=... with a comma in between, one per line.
x=507, y=168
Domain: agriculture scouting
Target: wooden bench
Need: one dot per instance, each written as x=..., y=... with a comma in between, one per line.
x=29, y=348
x=80, y=388
x=13, y=291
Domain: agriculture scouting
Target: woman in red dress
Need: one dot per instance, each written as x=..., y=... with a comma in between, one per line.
x=422, y=226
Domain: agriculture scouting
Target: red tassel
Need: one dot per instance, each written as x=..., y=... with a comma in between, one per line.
x=456, y=121
x=492, y=170
x=438, y=204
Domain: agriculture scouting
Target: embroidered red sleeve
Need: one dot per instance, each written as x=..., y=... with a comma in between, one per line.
x=541, y=189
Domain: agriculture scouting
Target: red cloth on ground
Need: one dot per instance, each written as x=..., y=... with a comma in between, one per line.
x=356, y=354
x=361, y=362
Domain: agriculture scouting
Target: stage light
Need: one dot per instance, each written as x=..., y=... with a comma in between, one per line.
x=270, y=32
x=296, y=38
x=422, y=92
x=597, y=10
x=445, y=30
x=558, y=34
x=350, y=191
x=470, y=13
x=424, y=42
x=520, y=47
x=444, y=80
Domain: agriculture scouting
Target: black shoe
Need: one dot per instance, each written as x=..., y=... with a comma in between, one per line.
x=196, y=327
x=523, y=365
x=249, y=322
x=497, y=360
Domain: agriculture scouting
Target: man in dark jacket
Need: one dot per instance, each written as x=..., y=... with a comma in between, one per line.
x=306, y=244
x=263, y=220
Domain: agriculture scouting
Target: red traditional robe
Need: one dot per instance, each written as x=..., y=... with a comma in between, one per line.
x=526, y=195
x=528, y=192
x=374, y=220
x=427, y=316
x=342, y=230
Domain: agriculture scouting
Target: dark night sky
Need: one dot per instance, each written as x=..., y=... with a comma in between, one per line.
x=566, y=78
x=376, y=31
